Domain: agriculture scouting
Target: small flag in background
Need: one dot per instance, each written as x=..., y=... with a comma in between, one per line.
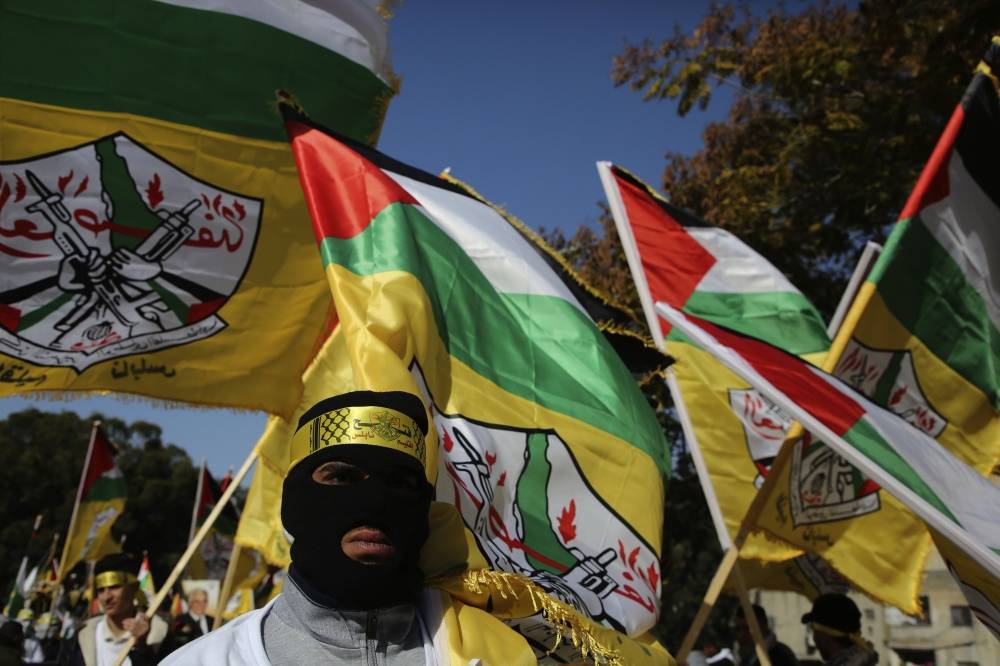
x=146, y=578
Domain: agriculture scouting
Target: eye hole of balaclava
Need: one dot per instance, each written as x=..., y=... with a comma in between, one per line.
x=359, y=517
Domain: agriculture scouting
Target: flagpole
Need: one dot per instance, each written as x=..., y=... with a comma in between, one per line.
x=192, y=546
x=755, y=630
x=197, y=500
x=858, y=297
x=699, y=462
x=868, y=256
x=79, y=497
x=227, y=584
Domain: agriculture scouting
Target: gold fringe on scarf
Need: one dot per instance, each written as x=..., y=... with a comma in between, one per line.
x=567, y=622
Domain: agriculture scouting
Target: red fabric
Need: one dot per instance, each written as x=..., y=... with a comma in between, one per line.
x=343, y=190
x=207, y=499
x=933, y=186
x=673, y=262
x=102, y=459
x=793, y=377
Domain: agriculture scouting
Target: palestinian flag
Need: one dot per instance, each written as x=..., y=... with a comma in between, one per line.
x=952, y=498
x=548, y=449
x=100, y=500
x=212, y=558
x=619, y=323
x=142, y=134
x=704, y=270
x=921, y=340
x=732, y=431
x=146, y=583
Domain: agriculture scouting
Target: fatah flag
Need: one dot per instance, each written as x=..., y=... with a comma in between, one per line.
x=955, y=501
x=100, y=500
x=547, y=447
x=212, y=557
x=926, y=346
x=733, y=432
x=152, y=221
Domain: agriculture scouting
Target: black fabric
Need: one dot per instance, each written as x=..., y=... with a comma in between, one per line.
x=117, y=562
x=318, y=516
x=836, y=611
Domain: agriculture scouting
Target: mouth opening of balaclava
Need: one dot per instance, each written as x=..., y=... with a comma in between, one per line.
x=319, y=515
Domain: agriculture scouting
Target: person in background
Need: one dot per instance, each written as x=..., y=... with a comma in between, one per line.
x=11, y=643
x=779, y=653
x=103, y=637
x=835, y=621
x=190, y=625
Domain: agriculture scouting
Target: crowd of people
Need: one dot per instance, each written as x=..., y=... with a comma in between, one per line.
x=71, y=637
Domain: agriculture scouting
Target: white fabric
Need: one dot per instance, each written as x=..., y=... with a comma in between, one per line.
x=965, y=224
x=510, y=262
x=348, y=27
x=739, y=269
x=109, y=647
x=240, y=642
x=969, y=496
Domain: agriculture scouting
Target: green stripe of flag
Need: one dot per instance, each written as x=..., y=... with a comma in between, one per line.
x=865, y=438
x=540, y=348
x=945, y=313
x=106, y=487
x=784, y=319
x=150, y=59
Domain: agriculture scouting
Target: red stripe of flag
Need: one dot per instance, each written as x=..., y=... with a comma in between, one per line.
x=102, y=459
x=793, y=377
x=673, y=261
x=343, y=190
x=933, y=186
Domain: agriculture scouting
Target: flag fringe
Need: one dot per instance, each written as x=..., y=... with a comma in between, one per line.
x=70, y=395
x=922, y=555
x=566, y=621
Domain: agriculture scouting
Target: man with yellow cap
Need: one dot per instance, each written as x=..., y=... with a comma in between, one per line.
x=102, y=638
x=355, y=503
x=835, y=621
x=379, y=573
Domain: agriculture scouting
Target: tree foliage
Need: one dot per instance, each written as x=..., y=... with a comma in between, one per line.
x=43, y=454
x=836, y=109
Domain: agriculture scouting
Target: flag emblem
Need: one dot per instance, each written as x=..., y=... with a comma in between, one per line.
x=888, y=376
x=108, y=250
x=524, y=497
x=764, y=428
x=826, y=487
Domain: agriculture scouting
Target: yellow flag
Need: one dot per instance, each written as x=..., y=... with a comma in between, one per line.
x=924, y=338
x=100, y=500
x=155, y=238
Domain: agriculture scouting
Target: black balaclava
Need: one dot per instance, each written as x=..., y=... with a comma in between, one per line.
x=318, y=516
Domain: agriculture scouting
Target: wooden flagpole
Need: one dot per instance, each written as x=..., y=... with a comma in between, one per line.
x=197, y=499
x=859, y=297
x=63, y=564
x=182, y=563
x=227, y=584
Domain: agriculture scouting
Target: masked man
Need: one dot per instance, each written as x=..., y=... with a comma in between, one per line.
x=357, y=504
x=102, y=638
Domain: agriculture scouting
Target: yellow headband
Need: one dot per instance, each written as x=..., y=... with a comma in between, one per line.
x=376, y=426
x=830, y=631
x=112, y=578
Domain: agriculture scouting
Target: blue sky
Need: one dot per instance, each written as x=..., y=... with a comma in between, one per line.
x=516, y=98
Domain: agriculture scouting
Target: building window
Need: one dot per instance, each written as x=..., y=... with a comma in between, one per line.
x=925, y=612
x=961, y=616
